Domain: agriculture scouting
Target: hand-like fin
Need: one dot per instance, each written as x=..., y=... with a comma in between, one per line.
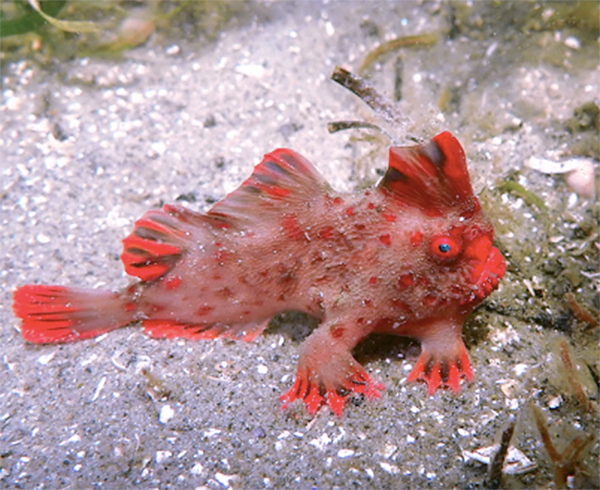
x=439, y=371
x=432, y=176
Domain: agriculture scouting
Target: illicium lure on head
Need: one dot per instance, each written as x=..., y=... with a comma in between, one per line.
x=411, y=256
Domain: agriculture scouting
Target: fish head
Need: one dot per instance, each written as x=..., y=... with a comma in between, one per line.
x=460, y=259
x=452, y=239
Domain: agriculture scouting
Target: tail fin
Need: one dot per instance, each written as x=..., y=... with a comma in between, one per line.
x=57, y=314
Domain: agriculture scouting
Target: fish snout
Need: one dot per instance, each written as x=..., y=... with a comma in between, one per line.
x=486, y=277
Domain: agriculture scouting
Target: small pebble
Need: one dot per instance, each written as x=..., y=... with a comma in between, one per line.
x=581, y=180
x=520, y=369
x=555, y=402
x=41, y=238
x=259, y=432
x=173, y=50
x=572, y=42
x=224, y=480
x=46, y=358
x=389, y=468
x=166, y=414
x=262, y=369
x=345, y=453
x=162, y=456
x=252, y=70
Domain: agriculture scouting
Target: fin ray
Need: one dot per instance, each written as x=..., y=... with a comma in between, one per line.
x=57, y=314
x=282, y=178
x=159, y=238
x=170, y=329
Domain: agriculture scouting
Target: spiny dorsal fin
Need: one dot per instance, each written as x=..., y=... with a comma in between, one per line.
x=432, y=176
x=162, y=236
x=283, y=179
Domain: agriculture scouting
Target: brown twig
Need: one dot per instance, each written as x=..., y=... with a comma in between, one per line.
x=580, y=395
x=367, y=94
x=540, y=422
x=375, y=100
x=497, y=463
x=566, y=463
x=581, y=313
x=334, y=127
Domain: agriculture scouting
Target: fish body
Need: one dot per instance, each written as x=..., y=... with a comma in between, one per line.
x=412, y=256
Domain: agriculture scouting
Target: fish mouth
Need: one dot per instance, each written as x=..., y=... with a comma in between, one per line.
x=493, y=270
x=488, y=268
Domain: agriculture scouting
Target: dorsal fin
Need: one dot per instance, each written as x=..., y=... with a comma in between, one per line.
x=158, y=239
x=432, y=176
x=283, y=178
x=162, y=236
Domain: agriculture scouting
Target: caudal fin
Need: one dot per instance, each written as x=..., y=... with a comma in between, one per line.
x=57, y=314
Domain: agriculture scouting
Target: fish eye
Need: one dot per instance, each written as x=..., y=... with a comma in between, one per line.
x=445, y=247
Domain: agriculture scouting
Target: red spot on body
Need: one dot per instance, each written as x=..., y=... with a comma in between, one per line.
x=401, y=305
x=406, y=280
x=221, y=256
x=359, y=226
x=291, y=228
x=225, y=292
x=326, y=233
x=173, y=283
x=389, y=217
x=416, y=239
x=129, y=306
x=423, y=281
x=367, y=302
x=373, y=280
x=429, y=300
x=337, y=332
x=204, y=310
x=367, y=193
x=349, y=212
x=338, y=200
x=386, y=239
x=371, y=205
x=287, y=275
x=217, y=277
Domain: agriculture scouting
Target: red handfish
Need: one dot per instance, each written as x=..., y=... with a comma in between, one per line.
x=412, y=256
